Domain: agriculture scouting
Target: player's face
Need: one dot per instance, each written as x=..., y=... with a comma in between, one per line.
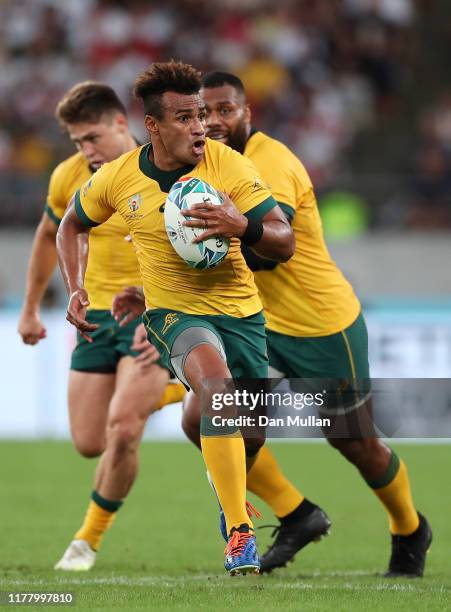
x=228, y=117
x=100, y=142
x=180, y=134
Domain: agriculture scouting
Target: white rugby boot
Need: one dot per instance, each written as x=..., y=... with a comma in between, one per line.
x=79, y=557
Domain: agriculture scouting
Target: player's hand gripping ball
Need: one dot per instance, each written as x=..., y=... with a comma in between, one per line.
x=184, y=194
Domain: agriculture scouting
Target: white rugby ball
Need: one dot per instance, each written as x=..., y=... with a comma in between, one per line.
x=183, y=194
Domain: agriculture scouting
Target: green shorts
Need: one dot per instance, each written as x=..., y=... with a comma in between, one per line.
x=110, y=344
x=337, y=363
x=242, y=341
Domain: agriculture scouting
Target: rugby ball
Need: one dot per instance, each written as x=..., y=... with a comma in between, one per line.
x=183, y=194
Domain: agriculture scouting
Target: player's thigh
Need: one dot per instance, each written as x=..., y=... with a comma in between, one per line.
x=140, y=389
x=244, y=341
x=100, y=355
x=89, y=396
x=245, y=345
x=137, y=391
x=187, y=342
x=210, y=353
x=92, y=383
x=334, y=366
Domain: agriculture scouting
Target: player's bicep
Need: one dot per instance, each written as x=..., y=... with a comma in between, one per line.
x=48, y=226
x=268, y=212
x=72, y=218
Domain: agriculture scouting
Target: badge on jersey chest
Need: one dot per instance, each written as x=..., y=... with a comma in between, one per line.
x=134, y=204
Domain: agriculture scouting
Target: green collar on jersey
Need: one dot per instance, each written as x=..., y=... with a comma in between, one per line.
x=165, y=178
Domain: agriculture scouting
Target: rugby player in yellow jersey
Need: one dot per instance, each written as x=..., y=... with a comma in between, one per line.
x=110, y=395
x=315, y=330
x=207, y=325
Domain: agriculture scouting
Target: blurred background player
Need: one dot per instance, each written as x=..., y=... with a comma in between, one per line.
x=315, y=330
x=207, y=325
x=109, y=396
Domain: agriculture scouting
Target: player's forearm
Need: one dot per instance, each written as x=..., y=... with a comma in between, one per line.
x=72, y=248
x=277, y=241
x=40, y=267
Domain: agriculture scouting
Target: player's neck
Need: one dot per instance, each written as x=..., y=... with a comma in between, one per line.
x=250, y=131
x=160, y=158
x=130, y=143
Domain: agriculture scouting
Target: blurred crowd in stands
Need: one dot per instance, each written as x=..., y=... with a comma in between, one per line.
x=337, y=80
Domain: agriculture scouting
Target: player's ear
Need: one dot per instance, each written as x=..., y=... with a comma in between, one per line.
x=151, y=124
x=121, y=121
x=247, y=113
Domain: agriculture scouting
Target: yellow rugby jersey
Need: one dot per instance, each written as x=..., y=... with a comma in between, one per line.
x=137, y=189
x=112, y=263
x=308, y=295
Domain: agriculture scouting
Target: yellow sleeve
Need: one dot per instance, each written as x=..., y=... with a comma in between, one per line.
x=94, y=200
x=56, y=197
x=243, y=183
x=279, y=179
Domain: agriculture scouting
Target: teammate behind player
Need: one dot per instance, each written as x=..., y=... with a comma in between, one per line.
x=315, y=330
x=207, y=325
x=109, y=396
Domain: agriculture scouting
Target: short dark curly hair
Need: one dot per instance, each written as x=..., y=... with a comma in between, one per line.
x=88, y=101
x=162, y=77
x=218, y=78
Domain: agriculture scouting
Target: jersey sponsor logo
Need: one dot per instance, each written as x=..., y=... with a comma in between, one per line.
x=170, y=319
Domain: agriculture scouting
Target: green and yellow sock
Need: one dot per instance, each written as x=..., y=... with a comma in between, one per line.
x=266, y=480
x=393, y=490
x=99, y=517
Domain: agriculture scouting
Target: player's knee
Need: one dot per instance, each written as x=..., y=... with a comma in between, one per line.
x=191, y=429
x=208, y=396
x=355, y=450
x=254, y=444
x=124, y=434
x=210, y=387
x=191, y=418
x=89, y=448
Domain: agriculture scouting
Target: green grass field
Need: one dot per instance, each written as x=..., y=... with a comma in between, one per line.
x=165, y=552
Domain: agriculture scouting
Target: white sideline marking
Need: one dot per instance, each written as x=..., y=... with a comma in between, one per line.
x=222, y=581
